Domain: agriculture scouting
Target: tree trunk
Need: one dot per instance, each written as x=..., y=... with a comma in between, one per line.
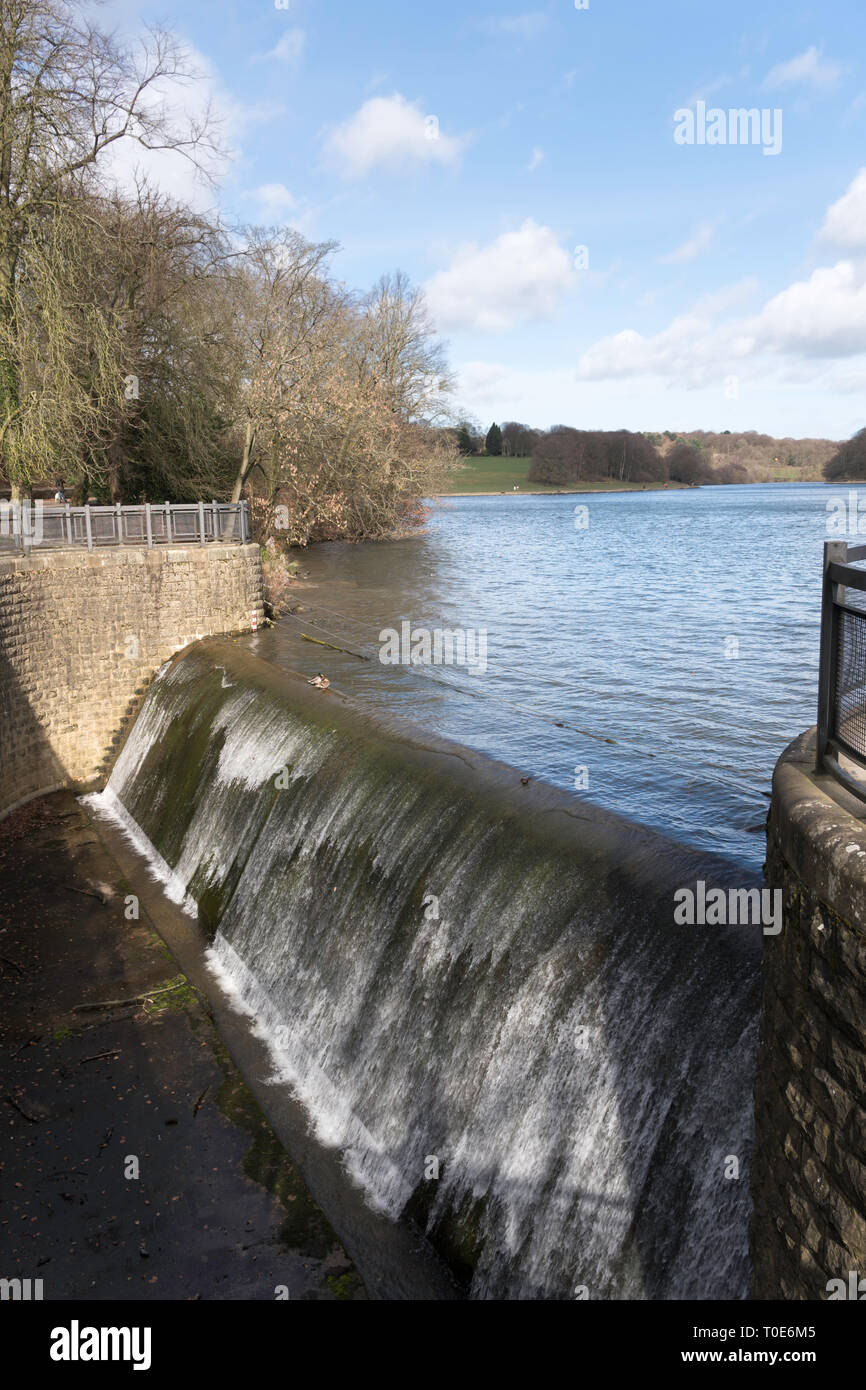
x=115, y=469
x=246, y=459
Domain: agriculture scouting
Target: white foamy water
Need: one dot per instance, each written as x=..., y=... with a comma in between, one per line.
x=493, y=1034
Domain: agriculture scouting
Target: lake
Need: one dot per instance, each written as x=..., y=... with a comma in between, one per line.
x=654, y=651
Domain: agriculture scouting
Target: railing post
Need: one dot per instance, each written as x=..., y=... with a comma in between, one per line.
x=69, y=536
x=246, y=530
x=835, y=552
x=87, y=526
x=202, y=537
x=119, y=522
x=148, y=522
x=214, y=512
x=168, y=522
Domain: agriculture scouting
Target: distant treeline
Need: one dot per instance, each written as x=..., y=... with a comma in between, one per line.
x=849, y=460
x=564, y=455
x=150, y=350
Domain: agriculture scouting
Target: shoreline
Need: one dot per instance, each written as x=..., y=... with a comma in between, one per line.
x=563, y=491
x=592, y=491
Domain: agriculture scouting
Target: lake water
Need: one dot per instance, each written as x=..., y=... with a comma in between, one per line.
x=655, y=653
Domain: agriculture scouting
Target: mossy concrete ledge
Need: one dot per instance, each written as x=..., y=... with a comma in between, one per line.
x=809, y=1168
x=81, y=635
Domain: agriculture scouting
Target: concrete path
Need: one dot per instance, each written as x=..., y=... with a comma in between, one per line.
x=110, y=1065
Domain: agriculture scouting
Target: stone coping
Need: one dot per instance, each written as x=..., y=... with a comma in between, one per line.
x=74, y=557
x=821, y=830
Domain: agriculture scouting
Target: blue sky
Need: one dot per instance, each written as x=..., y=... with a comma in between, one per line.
x=477, y=147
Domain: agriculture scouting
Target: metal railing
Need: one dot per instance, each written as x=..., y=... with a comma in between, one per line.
x=842, y=667
x=29, y=526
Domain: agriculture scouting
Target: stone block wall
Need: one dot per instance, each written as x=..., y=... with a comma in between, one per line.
x=81, y=635
x=809, y=1165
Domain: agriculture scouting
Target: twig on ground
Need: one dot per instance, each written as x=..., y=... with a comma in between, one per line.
x=133, y=999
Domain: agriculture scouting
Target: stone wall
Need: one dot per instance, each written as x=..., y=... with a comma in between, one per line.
x=809, y=1167
x=81, y=635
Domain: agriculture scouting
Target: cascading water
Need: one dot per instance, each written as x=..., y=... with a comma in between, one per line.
x=476, y=988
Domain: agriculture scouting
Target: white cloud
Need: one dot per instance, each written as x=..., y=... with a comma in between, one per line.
x=288, y=49
x=536, y=158
x=694, y=350
x=824, y=316
x=845, y=223
x=519, y=277
x=497, y=391
x=822, y=401
x=487, y=381
x=274, y=201
x=672, y=353
x=698, y=242
x=193, y=101
x=391, y=132
x=807, y=67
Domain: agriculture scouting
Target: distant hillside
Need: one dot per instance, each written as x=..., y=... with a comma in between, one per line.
x=764, y=458
x=564, y=456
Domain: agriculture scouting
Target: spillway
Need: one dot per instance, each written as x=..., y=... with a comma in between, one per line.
x=475, y=987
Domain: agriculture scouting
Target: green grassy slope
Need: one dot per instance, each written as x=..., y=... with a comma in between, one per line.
x=501, y=475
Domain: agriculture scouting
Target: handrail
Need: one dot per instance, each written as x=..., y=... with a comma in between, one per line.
x=846, y=575
x=28, y=526
x=841, y=681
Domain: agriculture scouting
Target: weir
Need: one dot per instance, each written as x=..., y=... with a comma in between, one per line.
x=476, y=988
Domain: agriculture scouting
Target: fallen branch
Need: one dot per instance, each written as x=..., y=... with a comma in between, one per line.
x=115, y=1052
x=347, y=650
x=31, y=1119
x=133, y=999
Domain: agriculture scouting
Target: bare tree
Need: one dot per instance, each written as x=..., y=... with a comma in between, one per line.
x=68, y=92
x=159, y=281
x=400, y=353
x=284, y=308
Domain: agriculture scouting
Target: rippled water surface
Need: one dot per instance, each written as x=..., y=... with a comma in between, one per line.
x=674, y=639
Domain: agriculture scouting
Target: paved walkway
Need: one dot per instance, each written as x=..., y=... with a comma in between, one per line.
x=98, y=1082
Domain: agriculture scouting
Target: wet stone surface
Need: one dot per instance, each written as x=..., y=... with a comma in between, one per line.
x=142, y=1083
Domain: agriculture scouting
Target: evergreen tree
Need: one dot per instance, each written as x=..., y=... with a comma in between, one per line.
x=465, y=442
x=493, y=442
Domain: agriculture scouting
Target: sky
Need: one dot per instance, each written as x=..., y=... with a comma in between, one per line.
x=601, y=243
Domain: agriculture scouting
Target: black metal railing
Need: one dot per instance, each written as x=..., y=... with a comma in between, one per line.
x=29, y=526
x=841, y=737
